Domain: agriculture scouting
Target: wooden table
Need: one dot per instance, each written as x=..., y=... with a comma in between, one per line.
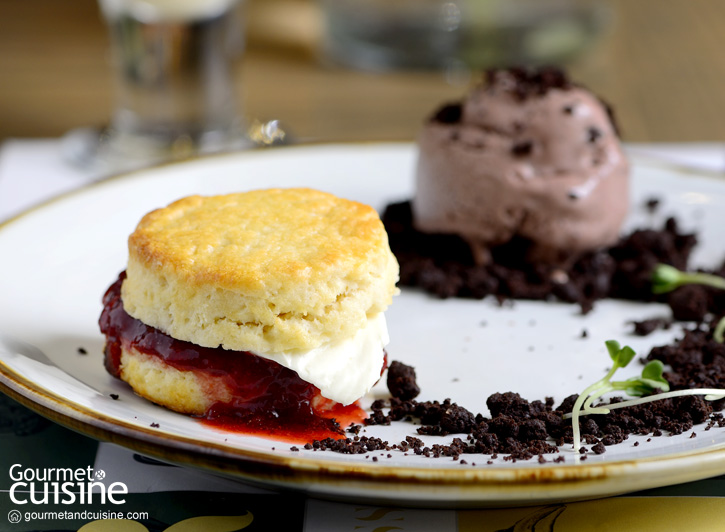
x=661, y=64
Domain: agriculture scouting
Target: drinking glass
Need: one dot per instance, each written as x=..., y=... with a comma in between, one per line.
x=174, y=79
x=382, y=35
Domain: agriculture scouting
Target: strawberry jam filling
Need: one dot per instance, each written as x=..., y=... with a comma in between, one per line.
x=268, y=399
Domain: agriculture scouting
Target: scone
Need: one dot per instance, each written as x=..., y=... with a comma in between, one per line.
x=262, y=305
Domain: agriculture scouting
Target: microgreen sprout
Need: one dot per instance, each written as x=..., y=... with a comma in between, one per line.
x=650, y=380
x=666, y=278
x=719, y=333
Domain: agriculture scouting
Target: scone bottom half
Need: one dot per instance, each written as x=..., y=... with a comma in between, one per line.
x=259, y=311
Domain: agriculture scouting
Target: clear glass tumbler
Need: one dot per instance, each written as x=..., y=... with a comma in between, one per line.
x=383, y=35
x=174, y=78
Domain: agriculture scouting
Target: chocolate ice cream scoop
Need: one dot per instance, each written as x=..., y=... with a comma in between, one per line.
x=526, y=155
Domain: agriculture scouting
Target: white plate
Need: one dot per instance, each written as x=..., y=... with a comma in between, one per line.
x=58, y=260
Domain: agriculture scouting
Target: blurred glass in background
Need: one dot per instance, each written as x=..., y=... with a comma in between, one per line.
x=175, y=94
x=380, y=35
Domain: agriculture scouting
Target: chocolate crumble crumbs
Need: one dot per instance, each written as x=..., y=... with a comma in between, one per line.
x=648, y=326
x=448, y=114
x=593, y=134
x=523, y=148
x=82, y=351
x=689, y=303
x=652, y=204
x=401, y=381
x=114, y=396
x=529, y=82
x=442, y=265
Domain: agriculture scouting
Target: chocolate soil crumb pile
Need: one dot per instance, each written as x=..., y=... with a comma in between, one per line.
x=442, y=264
x=520, y=429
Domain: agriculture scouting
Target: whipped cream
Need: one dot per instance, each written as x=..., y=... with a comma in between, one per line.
x=343, y=371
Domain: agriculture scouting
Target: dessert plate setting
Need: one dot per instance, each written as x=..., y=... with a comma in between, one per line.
x=61, y=257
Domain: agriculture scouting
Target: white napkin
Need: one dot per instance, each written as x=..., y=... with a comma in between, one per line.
x=33, y=171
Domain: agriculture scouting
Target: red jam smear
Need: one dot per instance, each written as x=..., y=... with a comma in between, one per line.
x=269, y=400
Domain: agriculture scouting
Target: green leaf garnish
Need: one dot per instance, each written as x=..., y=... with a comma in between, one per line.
x=653, y=371
x=613, y=348
x=666, y=278
x=719, y=333
x=644, y=387
x=626, y=354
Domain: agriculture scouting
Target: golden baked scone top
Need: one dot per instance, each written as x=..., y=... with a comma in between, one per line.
x=267, y=269
x=255, y=240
